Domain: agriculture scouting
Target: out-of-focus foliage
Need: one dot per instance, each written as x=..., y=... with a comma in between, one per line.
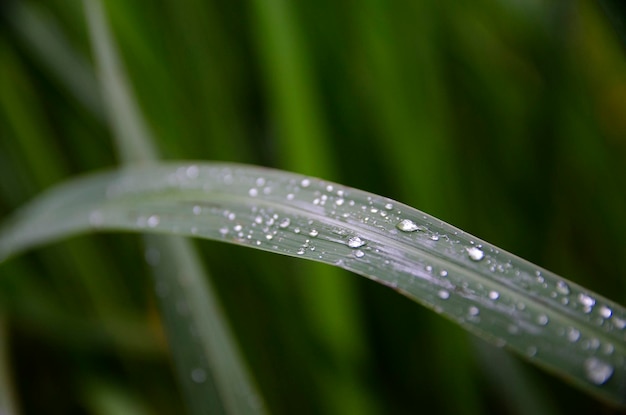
x=505, y=118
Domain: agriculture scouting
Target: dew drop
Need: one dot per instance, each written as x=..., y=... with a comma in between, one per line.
x=543, y=320
x=223, y=231
x=443, y=273
x=96, y=218
x=356, y=242
x=476, y=254
x=153, y=221
x=388, y=206
x=359, y=254
x=339, y=202
x=573, y=335
x=434, y=237
x=192, y=172
x=606, y=312
x=314, y=233
x=597, y=371
x=300, y=251
x=305, y=183
x=473, y=311
x=260, y=182
x=197, y=210
x=284, y=223
x=290, y=196
x=253, y=192
x=231, y=216
x=562, y=287
x=443, y=294
x=407, y=225
x=198, y=375
x=587, y=302
x=494, y=295
x=619, y=322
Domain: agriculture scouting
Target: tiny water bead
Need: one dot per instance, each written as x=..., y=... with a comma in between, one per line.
x=407, y=225
x=356, y=242
x=443, y=294
x=313, y=233
x=597, y=371
x=543, y=320
x=284, y=223
x=153, y=221
x=494, y=295
x=562, y=287
x=476, y=254
x=359, y=254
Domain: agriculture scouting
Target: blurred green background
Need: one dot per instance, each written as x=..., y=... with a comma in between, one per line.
x=504, y=118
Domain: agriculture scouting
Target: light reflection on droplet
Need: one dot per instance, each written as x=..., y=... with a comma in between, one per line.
x=356, y=242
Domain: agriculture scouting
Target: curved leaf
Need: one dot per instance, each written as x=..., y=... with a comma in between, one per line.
x=554, y=323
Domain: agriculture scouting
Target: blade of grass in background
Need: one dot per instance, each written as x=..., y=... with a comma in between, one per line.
x=210, y=370
x=556, y=324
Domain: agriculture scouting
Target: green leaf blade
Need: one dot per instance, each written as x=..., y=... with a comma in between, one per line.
x=554, y=323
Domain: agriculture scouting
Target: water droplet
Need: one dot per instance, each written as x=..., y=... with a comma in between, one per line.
x=329, y=188
x=475, y=253
x=253, y=192
x=494, y=295
x=443, y=273
x=407, y=225
x=296, y=230
x=429, y=268
x=260, y=182
x=269, y=236
x=192, y=172
x=305, y=183
x=443, y=294
x=339, y=202
x=197, y=210
x=587, y=302
x=198, y=375
x=231, y=216
x=96, y=218
x=573, y=335
x=237, y=228
x=359, y=254
x=605, y=312
x=597, y=371
x=473, y=311
x=223, y=231
x=562, y=287
x=356, y=242
x=388, y=206
x=313, y=233
x=284, y=223
x=531, y=351
x=300, y=251
x=434, y=237
x=542, y=320
x=290, y=196
x=619, y=322
x=153, y=221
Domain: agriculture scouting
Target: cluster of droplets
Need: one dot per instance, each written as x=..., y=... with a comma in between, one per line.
x=266, y=227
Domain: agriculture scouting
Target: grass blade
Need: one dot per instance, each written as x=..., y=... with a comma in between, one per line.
x=554, y=323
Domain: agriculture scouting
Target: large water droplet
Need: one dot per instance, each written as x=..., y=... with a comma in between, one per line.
x=475, y=253
x=356, y=242
x=598, y=371
x=407, y=225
